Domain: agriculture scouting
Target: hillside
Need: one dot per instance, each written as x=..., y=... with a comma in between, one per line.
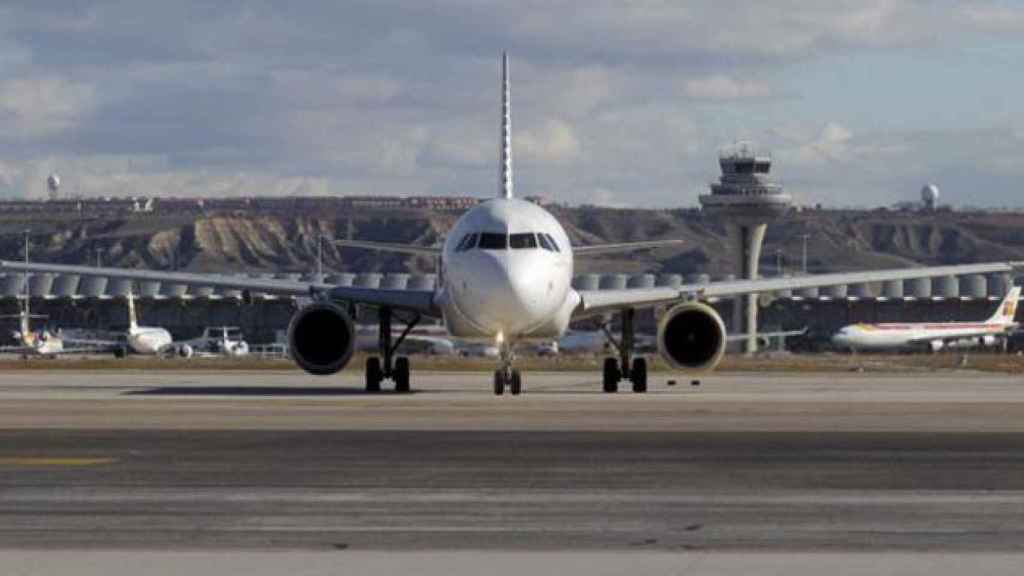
x=275, y=241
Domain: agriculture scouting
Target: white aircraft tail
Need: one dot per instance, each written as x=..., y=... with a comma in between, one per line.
x=1007, y=308
x=26, y=313
x=133, y=322
x=505, y=190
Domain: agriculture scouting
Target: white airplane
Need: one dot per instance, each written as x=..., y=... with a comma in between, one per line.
x=146, y=340
x=504, y=280
x=933, y=336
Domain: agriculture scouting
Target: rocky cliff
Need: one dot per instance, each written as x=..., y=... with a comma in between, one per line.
x=265, y=241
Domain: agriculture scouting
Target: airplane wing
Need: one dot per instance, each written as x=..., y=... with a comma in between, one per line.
x=16, y=350
x=421, y=301
x=623, y=247
x=602, y=301
x=391, y=247
x=780, y=334
x=84, y=349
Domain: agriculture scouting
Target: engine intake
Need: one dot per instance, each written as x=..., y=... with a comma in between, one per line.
x=321, y=338
x=691, y=337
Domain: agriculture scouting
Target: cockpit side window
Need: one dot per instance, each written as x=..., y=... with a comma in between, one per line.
x=554, y=245
x=493, y=241
x=467, y=243
x=542, y=239
x=522, y=241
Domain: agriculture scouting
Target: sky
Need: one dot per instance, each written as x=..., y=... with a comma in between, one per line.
x=613, y=102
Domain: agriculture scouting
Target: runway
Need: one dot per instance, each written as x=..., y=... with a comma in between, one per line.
x=280, y=461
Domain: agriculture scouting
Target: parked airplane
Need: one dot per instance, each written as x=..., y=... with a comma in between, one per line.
x=933, y=336
x=505, y=280
x=217, y=341
x=148, y=340
x=33, y=342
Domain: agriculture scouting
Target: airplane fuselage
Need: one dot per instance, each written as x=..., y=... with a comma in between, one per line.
x=42, y=343
x=148, y=340
x=506, y=273
x=915, y=335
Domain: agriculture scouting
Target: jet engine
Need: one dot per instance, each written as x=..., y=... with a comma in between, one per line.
x=691, y=336
x=321, y=338
x=988, y=340
x=185, y=351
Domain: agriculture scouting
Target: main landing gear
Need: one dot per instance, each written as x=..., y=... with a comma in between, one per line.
x=625, y=367
x=386, y=366
x=506, y=376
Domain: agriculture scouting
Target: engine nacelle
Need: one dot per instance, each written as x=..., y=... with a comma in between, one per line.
x=321, y=338
x=691, y=336
x=989, y=340
x=936, y=345
x=185, y=351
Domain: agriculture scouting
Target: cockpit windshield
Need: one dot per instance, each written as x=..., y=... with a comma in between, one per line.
x=499, y=241
x=493, y=241
x=522, y=241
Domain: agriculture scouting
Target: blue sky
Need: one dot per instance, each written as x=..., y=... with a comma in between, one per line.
x=619, y=103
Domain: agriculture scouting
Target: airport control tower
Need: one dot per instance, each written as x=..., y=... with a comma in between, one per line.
x=746, y=200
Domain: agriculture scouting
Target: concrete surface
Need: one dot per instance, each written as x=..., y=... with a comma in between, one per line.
x=742, y=471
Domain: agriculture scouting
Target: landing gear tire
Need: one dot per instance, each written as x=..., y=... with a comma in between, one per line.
x=611, y=375
x=499, y=382
x=639, y=375
x=516, y=383
x=374, y=374
x=401, y=375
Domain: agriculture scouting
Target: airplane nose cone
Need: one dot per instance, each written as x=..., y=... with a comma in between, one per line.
x=517, y=294
x=531, y=287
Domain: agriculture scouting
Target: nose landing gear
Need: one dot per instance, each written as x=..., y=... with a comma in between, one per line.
x=506, y=376
x=510, y=379
x=625, y=367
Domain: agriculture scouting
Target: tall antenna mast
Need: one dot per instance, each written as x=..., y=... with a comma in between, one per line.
x=506, y=131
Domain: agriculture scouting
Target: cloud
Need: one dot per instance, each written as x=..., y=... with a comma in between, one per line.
x=393, y=97
x=722, y=87
x=553, y=142
x=994, y=17
x=35, y=107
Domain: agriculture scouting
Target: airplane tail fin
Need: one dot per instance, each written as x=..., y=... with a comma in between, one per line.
x=26, y=314
x=1007, y=308
x=133, y=322
x=506, y=132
